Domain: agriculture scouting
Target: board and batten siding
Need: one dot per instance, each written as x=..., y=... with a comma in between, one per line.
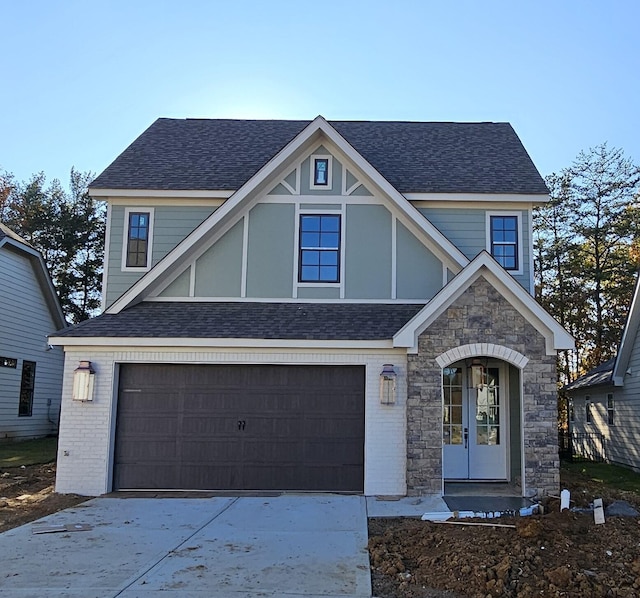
x=272, y=244
x=25, y=322
x=467, y=230
x=171, y=224
x=87, y=432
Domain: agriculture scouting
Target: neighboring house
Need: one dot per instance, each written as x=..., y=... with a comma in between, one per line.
x=604, y=404
x=314, y=306
x=30, y=369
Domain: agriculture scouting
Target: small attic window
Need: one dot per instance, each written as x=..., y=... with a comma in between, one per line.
x=320, y=172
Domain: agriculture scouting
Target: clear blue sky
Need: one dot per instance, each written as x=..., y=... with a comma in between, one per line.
x=81, y=79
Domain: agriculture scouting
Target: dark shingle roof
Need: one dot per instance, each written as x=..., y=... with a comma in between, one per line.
x=200, y=154
x=599, y=375
x=306, y=321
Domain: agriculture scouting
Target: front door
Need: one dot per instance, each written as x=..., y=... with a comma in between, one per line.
x=474, y=431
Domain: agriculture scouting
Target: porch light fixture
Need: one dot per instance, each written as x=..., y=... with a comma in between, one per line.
x=388, y=378
x=83, y=379
x=477, y=373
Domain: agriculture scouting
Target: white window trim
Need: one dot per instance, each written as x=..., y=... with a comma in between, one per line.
x=125, y=239
x=518, y=216
x=312, y=172
x=338, y=210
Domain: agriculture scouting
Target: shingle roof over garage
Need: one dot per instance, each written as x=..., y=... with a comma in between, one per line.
x=415, y=157
x=299, y=321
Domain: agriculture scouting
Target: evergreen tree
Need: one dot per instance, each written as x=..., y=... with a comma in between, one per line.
x=586, y=252
x=68, y=228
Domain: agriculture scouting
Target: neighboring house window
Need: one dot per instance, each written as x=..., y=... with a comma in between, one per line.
x=27, y=385
x=572, y=413
x=587, y=407
x=320, y=172
x=610, y=409
x=137, y=242
x=319, y=256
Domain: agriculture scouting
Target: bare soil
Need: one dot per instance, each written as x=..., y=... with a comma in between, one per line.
x=555, y=554
x=26, y=494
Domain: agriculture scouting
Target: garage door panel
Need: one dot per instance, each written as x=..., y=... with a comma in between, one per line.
x=208, y=426
x=149, y=450
x=214, y=450
x=240, y=427
x=147, y=476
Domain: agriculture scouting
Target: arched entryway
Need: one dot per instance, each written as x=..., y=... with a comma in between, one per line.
x=481, y=413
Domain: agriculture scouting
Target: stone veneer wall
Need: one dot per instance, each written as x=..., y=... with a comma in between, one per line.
x=481, y=315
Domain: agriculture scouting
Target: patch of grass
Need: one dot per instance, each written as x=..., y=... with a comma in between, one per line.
x=28, y=452
x=612, y=476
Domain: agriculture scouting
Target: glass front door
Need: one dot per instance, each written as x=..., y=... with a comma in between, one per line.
x=473, y=423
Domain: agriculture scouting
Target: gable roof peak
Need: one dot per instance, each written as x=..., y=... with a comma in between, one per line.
x=414, y=156
x=5, y=231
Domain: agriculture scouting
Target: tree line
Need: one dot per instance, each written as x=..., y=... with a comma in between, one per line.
x=68, y=227
x=586, y=246
x=587, y=253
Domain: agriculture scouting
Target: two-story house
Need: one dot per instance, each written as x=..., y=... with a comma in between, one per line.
x=30, y=368
x=321, y=306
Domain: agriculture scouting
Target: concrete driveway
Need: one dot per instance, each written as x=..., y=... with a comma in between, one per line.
x=291, y=545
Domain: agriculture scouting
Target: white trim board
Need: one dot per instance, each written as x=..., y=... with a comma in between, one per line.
x=484, y=265
x=249, y=194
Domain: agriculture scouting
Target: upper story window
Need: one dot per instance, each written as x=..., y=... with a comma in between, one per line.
x=27, y=387
x=321, y=167
x=319, y=251
x=504, y=240
x=137, y=239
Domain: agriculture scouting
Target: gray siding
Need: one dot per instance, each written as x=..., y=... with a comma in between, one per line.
x=179, y=287
x=466, y=229
x=270, y=250
x=219, y=269
x=25, y=322
x=318, y=293
x=368, y=252
x=171, y=225
x=418, y=271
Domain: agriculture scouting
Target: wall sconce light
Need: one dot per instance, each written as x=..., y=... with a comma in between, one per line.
x=388, y=378
x=83, y=378
x=477, y=373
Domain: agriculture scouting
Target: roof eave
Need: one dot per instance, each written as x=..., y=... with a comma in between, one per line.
x=556, y=338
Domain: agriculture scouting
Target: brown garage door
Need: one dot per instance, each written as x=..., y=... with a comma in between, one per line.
x=240, y=427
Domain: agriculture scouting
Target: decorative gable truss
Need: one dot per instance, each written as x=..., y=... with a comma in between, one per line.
x=290, y=175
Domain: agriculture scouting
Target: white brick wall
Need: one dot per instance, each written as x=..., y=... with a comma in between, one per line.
x=87, y=431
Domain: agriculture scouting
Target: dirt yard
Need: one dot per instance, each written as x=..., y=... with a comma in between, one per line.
x=556, y=554
x=26, y=494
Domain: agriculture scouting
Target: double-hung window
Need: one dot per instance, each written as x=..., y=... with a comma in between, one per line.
x=610, y=410
x=319, y=250
x=137, y=240
x=504, y=241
